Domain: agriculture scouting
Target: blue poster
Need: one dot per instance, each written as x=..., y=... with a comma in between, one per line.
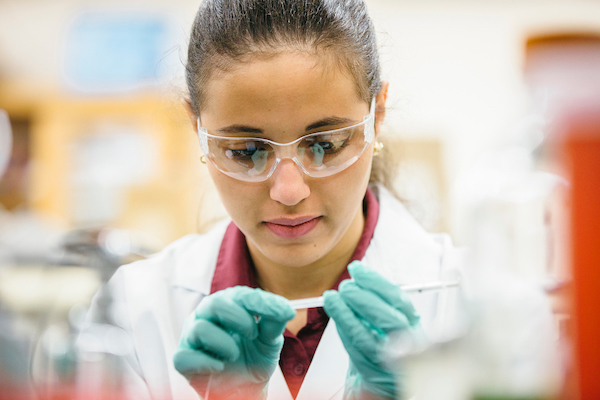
x=108, y=52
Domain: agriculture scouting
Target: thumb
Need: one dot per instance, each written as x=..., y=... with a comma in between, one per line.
x=270, y=330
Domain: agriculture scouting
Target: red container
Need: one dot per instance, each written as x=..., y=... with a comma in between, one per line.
x=581, y=144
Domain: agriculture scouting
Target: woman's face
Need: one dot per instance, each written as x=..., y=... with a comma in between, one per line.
x=291, y=219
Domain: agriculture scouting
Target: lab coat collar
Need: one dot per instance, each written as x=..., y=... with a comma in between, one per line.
x=194, y=265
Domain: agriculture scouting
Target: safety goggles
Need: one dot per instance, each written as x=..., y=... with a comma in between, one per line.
x=317, y=154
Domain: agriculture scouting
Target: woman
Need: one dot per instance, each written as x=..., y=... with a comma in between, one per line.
x=287, y=100
x=299, y=73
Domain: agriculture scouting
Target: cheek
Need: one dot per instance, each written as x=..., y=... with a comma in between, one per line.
x=237, y=196
x=360, y=172
x=347, y=189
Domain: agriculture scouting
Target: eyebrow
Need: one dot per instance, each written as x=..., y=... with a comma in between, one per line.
x=329, y=121
x=232, y=129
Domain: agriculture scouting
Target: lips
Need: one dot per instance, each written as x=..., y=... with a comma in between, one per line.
x=292, y=227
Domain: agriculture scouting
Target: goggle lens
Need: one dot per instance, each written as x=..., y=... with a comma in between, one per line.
x=317, y=154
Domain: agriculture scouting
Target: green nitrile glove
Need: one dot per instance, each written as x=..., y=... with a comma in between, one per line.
x=234, y=338
x=366, y=310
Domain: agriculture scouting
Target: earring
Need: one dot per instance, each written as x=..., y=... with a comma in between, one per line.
x=377, y=148
x=203, y=159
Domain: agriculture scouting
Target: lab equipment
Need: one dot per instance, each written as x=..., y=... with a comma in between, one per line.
x=313, y=302
x=582, y=147
x=367, y=310
x=224, y=336
x=317, y=154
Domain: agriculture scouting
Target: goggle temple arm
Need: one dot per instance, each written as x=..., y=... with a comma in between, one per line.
x=370, y=127
x=203, y=138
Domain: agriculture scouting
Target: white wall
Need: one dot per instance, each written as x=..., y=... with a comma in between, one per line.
x=455, y=67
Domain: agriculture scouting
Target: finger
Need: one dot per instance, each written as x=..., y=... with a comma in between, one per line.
x=368, y=279
x=211, y=339
x=188, y=362
x=270, y=330
x=264, y=304
x=372, y=308
x=221, y=309
x=355, y=335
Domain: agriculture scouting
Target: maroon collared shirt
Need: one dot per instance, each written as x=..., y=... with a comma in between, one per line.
x=234, y=267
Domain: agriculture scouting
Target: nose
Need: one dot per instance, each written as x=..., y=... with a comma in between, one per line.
x=287, y=184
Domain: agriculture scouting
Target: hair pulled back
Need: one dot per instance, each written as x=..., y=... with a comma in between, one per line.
x=228, y=31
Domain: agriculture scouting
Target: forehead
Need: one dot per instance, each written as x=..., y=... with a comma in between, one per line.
x=295, y=85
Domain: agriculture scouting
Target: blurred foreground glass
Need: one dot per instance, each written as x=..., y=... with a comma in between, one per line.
x=506, y=348
x=49, y=349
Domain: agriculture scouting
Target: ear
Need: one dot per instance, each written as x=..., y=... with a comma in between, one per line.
x=380, y=101
x=190, y=112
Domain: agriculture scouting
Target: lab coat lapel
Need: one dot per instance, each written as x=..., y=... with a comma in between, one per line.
x=278, y=388
x=326, y=375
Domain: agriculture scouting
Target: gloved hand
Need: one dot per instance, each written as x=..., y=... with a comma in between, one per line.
x=367, y=310
x=231, y=344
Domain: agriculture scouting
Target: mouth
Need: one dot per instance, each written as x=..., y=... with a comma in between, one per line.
x=292, y=227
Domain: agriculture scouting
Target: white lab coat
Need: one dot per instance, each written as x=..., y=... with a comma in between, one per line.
x=154, y=296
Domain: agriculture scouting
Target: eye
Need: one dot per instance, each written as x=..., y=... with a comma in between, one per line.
x=327, y=144
x=244, y=151
x=330, y=146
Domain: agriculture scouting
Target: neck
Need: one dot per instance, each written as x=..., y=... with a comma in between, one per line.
x=313, y=279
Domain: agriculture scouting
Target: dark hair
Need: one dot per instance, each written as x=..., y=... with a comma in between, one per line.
x=229, y=31
x=226, y=31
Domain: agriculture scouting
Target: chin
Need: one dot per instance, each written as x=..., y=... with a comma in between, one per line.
x=296, y=256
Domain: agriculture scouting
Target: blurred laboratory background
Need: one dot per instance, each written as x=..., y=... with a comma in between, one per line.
x=99, y=164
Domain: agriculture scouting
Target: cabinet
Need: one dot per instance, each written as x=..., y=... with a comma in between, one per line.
x=126, y=161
